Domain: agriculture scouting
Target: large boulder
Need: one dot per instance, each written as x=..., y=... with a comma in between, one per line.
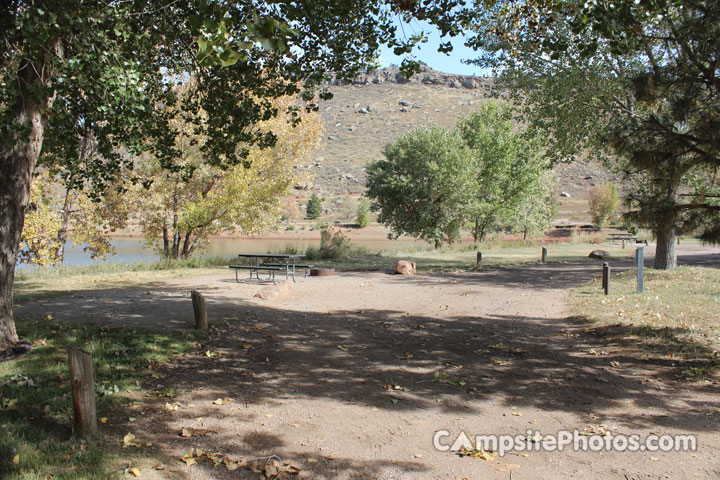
x=272, y=292
x=600, y=255
x=405, y=267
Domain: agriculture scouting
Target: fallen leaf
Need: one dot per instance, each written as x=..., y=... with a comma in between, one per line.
x=103, y=419
x=188, y=432
x=211, y=354
x=48, y=317
x=129, y=441
x=312, y=460
x=246, y=346
x=223, y=401
x=486, y=455
x=170, y=407
x=16, y=460
x=135, y=472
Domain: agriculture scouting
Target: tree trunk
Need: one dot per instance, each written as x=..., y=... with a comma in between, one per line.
x=166, y=240
x=62, y=233
x=18, y=157
x=476, y=231
x=187, y=245
x=665, y=258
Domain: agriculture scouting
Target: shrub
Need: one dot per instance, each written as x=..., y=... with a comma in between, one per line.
x=363, y=213
x=314, y=207
x=332, y=245
x=603, y=203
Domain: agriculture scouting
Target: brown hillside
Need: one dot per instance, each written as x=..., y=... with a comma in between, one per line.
x=379, y=107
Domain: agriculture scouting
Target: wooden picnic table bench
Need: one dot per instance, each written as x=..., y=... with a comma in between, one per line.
x=262, y=262
x=621, y=237
x=256, y=268
x=306, y=268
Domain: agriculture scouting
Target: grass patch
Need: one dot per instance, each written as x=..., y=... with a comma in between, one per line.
x=463, y=257
x=675, y=318
x=36, y=439
x=57, y=281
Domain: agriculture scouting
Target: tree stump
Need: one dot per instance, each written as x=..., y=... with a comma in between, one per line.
x=543, y=255
x=82, y=383
x=198, y=301
x=478, y=261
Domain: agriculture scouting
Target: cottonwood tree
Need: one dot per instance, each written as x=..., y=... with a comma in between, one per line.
x=434, y=181
x=507, y=168
x=634, y=84
x=603, y=203
x=181, y=209
x=71, y=67
x=421, y=187
x=59, y=214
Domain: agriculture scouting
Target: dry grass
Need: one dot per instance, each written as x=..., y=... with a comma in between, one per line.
x=675, y=318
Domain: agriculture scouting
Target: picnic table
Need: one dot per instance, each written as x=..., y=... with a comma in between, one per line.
x=271, y=263
x=621, y=237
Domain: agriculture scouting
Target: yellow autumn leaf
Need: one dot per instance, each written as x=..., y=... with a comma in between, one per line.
x=135, y=472
x=16, y=460
x=103, y=419
x=129, y=441
x=223, y=401
x=246, y=346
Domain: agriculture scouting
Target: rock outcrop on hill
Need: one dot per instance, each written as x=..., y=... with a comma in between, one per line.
x=425, y=75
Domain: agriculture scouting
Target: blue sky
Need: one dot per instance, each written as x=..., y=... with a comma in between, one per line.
x=428, y=53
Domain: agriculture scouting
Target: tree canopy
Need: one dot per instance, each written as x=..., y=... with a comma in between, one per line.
x=71, y=69
x=434, y=181
x=631, y=83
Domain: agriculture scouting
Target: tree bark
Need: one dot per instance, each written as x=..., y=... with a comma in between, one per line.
x=19, y=153
x=62, y=233
x=166, y=240
x=665, y=258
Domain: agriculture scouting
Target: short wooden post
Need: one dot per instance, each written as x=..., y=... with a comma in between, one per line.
x=198, y=302
x=83, y=391
x=543, y=256
x=640, y=263
x=623, y=244
x=606, y=278
x=478, y=264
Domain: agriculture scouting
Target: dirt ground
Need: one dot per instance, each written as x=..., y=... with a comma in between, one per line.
x=351, y=376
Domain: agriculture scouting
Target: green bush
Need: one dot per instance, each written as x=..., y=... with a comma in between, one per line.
x=332, y=246
x=363, y=213
x=603, y=203
x=314, y=207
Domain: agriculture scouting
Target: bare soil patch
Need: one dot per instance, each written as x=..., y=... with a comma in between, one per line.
x=351, y=376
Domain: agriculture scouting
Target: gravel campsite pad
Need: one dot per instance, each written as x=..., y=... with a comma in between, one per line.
x=355, y=375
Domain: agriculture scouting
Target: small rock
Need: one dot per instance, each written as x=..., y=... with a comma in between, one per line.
x=599, y=254
x=565, y=194
x=403, y=103
x=405, y=267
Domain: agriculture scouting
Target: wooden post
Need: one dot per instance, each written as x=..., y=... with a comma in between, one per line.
x=543, y=256
x=83, y=391
x=623, y=244
x=606, y=278
x=478, y=264
x=198, y=302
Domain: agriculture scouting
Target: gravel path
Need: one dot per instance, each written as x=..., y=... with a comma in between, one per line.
x=352, y=376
